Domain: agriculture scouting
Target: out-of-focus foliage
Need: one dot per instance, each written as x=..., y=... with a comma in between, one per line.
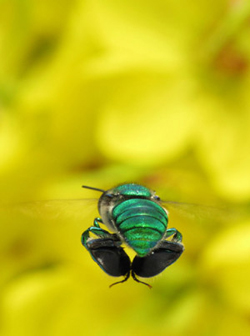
x=103, y=92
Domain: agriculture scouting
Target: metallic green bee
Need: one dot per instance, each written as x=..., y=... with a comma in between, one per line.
x=135, y=216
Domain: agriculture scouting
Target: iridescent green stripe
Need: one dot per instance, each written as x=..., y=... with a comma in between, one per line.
x=142, y=245
x=149, y=235
x=136, y=203
x=143, y=222
x=141, y=211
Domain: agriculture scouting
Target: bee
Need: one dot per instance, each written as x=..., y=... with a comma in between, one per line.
x=135, y=216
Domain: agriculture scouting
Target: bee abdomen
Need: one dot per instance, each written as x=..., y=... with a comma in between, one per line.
x=142, y=223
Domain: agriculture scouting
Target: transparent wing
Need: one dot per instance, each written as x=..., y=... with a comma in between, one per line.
x=202, y=212
x=52, y=209
x=80, y=208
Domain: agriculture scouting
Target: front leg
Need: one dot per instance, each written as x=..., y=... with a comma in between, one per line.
x=96, y=230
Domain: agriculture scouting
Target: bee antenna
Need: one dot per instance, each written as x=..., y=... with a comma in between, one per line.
x=97, y=189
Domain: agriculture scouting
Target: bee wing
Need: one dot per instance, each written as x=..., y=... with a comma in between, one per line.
x=206, y=213
x=52, y=209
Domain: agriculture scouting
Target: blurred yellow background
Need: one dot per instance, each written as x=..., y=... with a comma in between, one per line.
x=105, y=92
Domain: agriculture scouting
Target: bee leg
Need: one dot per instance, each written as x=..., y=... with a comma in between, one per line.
x=97, y=221
x=177, y=236
x=166, y=253
x=107, y=252
x=99, y=232
x=96, y=230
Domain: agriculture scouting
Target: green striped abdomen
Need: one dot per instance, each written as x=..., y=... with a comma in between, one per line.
x=141, y=222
